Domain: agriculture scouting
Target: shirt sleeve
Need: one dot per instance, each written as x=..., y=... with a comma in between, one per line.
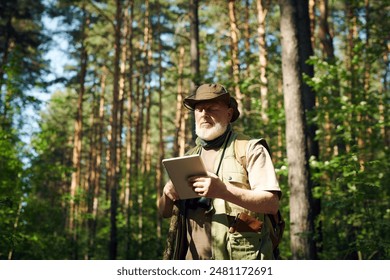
x=261, y=171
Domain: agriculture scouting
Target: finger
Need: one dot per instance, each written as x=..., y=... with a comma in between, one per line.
x=197, y=184
x=172, y=194
x=212, y=175
x=195, y=178
x=199, y=191
x=175, y=196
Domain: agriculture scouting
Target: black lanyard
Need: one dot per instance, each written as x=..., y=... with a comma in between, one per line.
x=223, y=153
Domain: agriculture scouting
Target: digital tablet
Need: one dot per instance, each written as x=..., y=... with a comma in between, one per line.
x=180, y=168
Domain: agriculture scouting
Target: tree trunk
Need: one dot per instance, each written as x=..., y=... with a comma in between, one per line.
x=248, y=61
x=194, y=44
x=234, y=54
x=383, y=103
x=180, y=123
x=121, y=97
x=309, y=96
x=312, y=16
x=143, y=139
x=95, y=180
x=112, y=179
x=91, y=174
x=129, y=140
x=139, y=100
x=301, y=223
x=280, y=155
x=351, y=229
x=146, y=89
x=161, y=150
x=326, y=38
x=77, y=140
x=326, y=44
x=247, y=44
x=194, y=64
x=351, y=67
x=366, y=132
x=261, y=15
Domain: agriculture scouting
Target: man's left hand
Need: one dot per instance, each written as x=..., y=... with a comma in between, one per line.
x=207, y=186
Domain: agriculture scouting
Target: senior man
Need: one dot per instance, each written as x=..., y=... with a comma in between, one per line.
x=227, y=221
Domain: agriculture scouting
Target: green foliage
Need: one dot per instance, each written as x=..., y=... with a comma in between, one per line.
x=354, y=207
x=11, y=190
x=22, y=64
x=352, y=178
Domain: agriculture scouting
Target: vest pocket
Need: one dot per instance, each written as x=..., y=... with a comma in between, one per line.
x=238, y=179
x=244, y=245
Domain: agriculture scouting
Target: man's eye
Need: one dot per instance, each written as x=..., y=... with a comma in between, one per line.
x=208, y=109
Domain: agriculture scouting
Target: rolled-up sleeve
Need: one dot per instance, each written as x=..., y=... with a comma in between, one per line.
x=261, y=171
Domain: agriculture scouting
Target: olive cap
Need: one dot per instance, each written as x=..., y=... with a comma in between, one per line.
x=207, y=92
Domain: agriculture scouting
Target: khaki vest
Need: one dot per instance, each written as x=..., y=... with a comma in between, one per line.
x=237, y=245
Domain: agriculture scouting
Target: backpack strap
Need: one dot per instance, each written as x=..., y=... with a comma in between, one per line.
x=240, y=145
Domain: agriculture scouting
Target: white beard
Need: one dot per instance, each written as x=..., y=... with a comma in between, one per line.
x=210, y=133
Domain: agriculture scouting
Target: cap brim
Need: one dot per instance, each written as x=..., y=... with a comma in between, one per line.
x=190, y=102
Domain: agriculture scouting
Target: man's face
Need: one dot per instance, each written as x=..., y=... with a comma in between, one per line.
x=212, y=119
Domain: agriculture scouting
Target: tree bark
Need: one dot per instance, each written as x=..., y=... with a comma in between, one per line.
x=309, y=97
x=247, y=97
x=301, y=223
x=122, y=95
x=247, y=44
x=161, y=148
x=194, y=44
x=324, y=34
x=146, y=88
x=353, y=82
x=194, y=63
x=91, y=174
x=351, y=67
x=326, y=44
x=77, y=140
x=97, y=162
x=129, y=140
x=234, y=54
x=180, y=123
x=112, y=179
x=312, y=16
x=261, y=15
x=366, y=132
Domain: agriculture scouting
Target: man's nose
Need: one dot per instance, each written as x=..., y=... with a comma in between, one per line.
x=203, y=112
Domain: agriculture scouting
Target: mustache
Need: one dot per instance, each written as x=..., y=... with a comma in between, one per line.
x=206, y=120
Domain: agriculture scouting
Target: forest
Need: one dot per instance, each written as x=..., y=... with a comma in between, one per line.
x=83, y=131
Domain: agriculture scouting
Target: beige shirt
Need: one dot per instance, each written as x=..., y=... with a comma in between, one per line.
x=261, y=175
x=261, y=171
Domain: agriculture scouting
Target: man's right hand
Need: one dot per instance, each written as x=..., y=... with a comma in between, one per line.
x=170, y=192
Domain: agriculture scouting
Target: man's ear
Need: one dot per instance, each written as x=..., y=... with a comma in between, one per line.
x=230, y=113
